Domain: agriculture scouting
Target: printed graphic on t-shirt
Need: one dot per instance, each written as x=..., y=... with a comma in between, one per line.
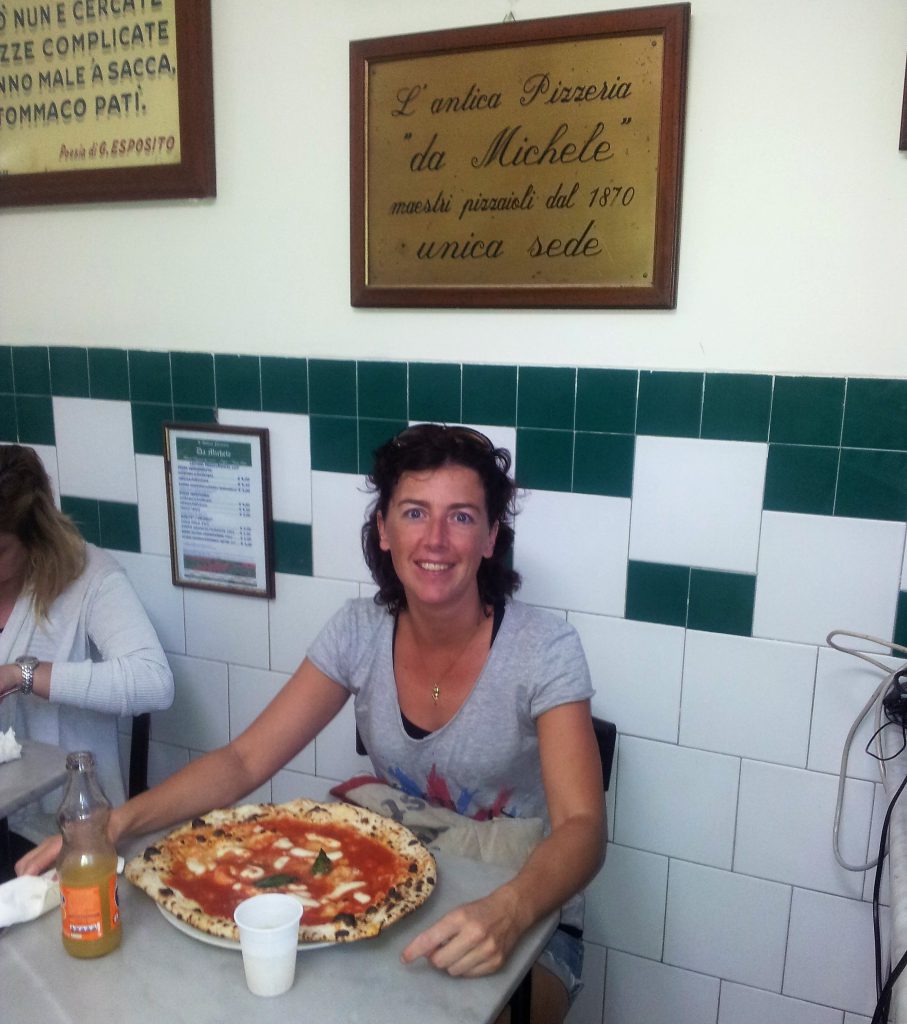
x=437, y=792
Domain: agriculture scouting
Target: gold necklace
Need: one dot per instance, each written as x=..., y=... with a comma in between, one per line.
x=436, y=686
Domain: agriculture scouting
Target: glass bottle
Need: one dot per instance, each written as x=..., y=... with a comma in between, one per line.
x=87, y=864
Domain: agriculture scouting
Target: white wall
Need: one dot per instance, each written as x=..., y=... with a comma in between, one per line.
x=793, y=250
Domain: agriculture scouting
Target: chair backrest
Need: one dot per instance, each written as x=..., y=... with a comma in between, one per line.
x=606, y=737
x=138, y=754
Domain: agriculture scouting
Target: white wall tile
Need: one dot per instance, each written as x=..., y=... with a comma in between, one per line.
x=151, y=578
x=199, y=715
x=844, y=684
x=154, y=531
x=743, y=1005
x=291, y=459
x=641, y=991
x=571, y=550
x=855, y=1018
x=829, y=951
x=335, y=748
x=589, y=1004
x=164, y=760
x=676, y=801
x=636, y=671
x=339, y=504
x=625, y=905
x=784, y=827
x=287, y=785
x=819, y=573
x=697, y=502
x=726, y=924
x=879, y=809
x=747, y=697
x=94, y=449
x=251, y=690
x=302, y=605
x=227, y=627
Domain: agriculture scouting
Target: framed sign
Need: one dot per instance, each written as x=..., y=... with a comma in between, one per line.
x=531, y=163
x=219, y=507
x=104, y=101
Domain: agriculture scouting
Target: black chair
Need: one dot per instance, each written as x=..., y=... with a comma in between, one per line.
x=606, y=737
x=138, y=754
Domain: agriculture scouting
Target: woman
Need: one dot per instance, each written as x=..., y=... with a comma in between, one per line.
x=76, y=647
x=461, y=694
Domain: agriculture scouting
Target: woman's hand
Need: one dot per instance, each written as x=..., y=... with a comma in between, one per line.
x=42, y=857
x=473, y=939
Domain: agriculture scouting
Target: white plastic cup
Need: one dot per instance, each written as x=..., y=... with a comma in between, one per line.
x=268, y=935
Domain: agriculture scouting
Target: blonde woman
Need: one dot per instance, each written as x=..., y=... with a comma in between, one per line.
x=76, y=647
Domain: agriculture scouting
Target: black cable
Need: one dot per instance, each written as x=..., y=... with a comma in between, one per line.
x=883, y=991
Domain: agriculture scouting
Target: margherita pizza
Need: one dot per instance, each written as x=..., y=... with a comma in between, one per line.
x=354, y=871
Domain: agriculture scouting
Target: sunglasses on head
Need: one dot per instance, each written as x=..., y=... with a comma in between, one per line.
x=424, y=431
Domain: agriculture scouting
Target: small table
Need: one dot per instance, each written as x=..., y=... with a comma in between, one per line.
x=40, y=769
x=160, y=974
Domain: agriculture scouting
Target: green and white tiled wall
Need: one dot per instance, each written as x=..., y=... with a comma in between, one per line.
x=703, y=532
x=701, y=471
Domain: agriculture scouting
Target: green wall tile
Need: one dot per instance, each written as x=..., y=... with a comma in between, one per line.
x=332, y=387
x=736, y=406
x=489, y=395
x=35, y=416
x=31, y=369
x=807, y=410
x=148, y=427
x=373, y=434
x=284, y=384
x=119, y=525
x=381, y=389
x=194, y=414
x=721, y=602
x=546, y=397
x=335, y=444
x=900, y=624
x=84, y=513
x=603, y=464
x=670, y=404
x=799, y=478
x=434, y=392
x=149, y=376
x=6, y=369
x=69, y=372
x=606, y=400
x=237, y=380
x=193, y=378
x=872, y=485
x=9, y=431
x=292, y=548
x=657, y=593
x=108, y=374
x=544, y=459
x=875, y=414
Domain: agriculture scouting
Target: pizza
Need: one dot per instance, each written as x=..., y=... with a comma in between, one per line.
x=354, y=871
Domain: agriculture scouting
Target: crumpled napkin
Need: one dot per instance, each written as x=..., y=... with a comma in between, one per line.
x=9, y=748
x=27, y=897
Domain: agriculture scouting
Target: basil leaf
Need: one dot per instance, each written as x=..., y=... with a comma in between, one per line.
x=322, y=864
x=273, y=881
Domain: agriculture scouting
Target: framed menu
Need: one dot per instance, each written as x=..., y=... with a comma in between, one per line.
x=219, y=507
x=105, y=100
x=531, y=163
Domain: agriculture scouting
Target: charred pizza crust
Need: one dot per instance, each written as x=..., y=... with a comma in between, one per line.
x=201, y=844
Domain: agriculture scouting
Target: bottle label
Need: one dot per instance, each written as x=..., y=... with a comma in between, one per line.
x=83, y=917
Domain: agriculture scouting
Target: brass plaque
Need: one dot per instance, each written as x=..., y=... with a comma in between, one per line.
x=539, y=171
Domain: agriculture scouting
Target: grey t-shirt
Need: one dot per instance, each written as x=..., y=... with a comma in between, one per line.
x=485, y=761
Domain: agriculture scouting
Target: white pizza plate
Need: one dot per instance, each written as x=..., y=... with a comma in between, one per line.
x=215, y=940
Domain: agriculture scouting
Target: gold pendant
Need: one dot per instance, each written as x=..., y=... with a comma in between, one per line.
x=435, y=693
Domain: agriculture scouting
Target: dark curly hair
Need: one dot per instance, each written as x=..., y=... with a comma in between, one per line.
x=429, y=446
